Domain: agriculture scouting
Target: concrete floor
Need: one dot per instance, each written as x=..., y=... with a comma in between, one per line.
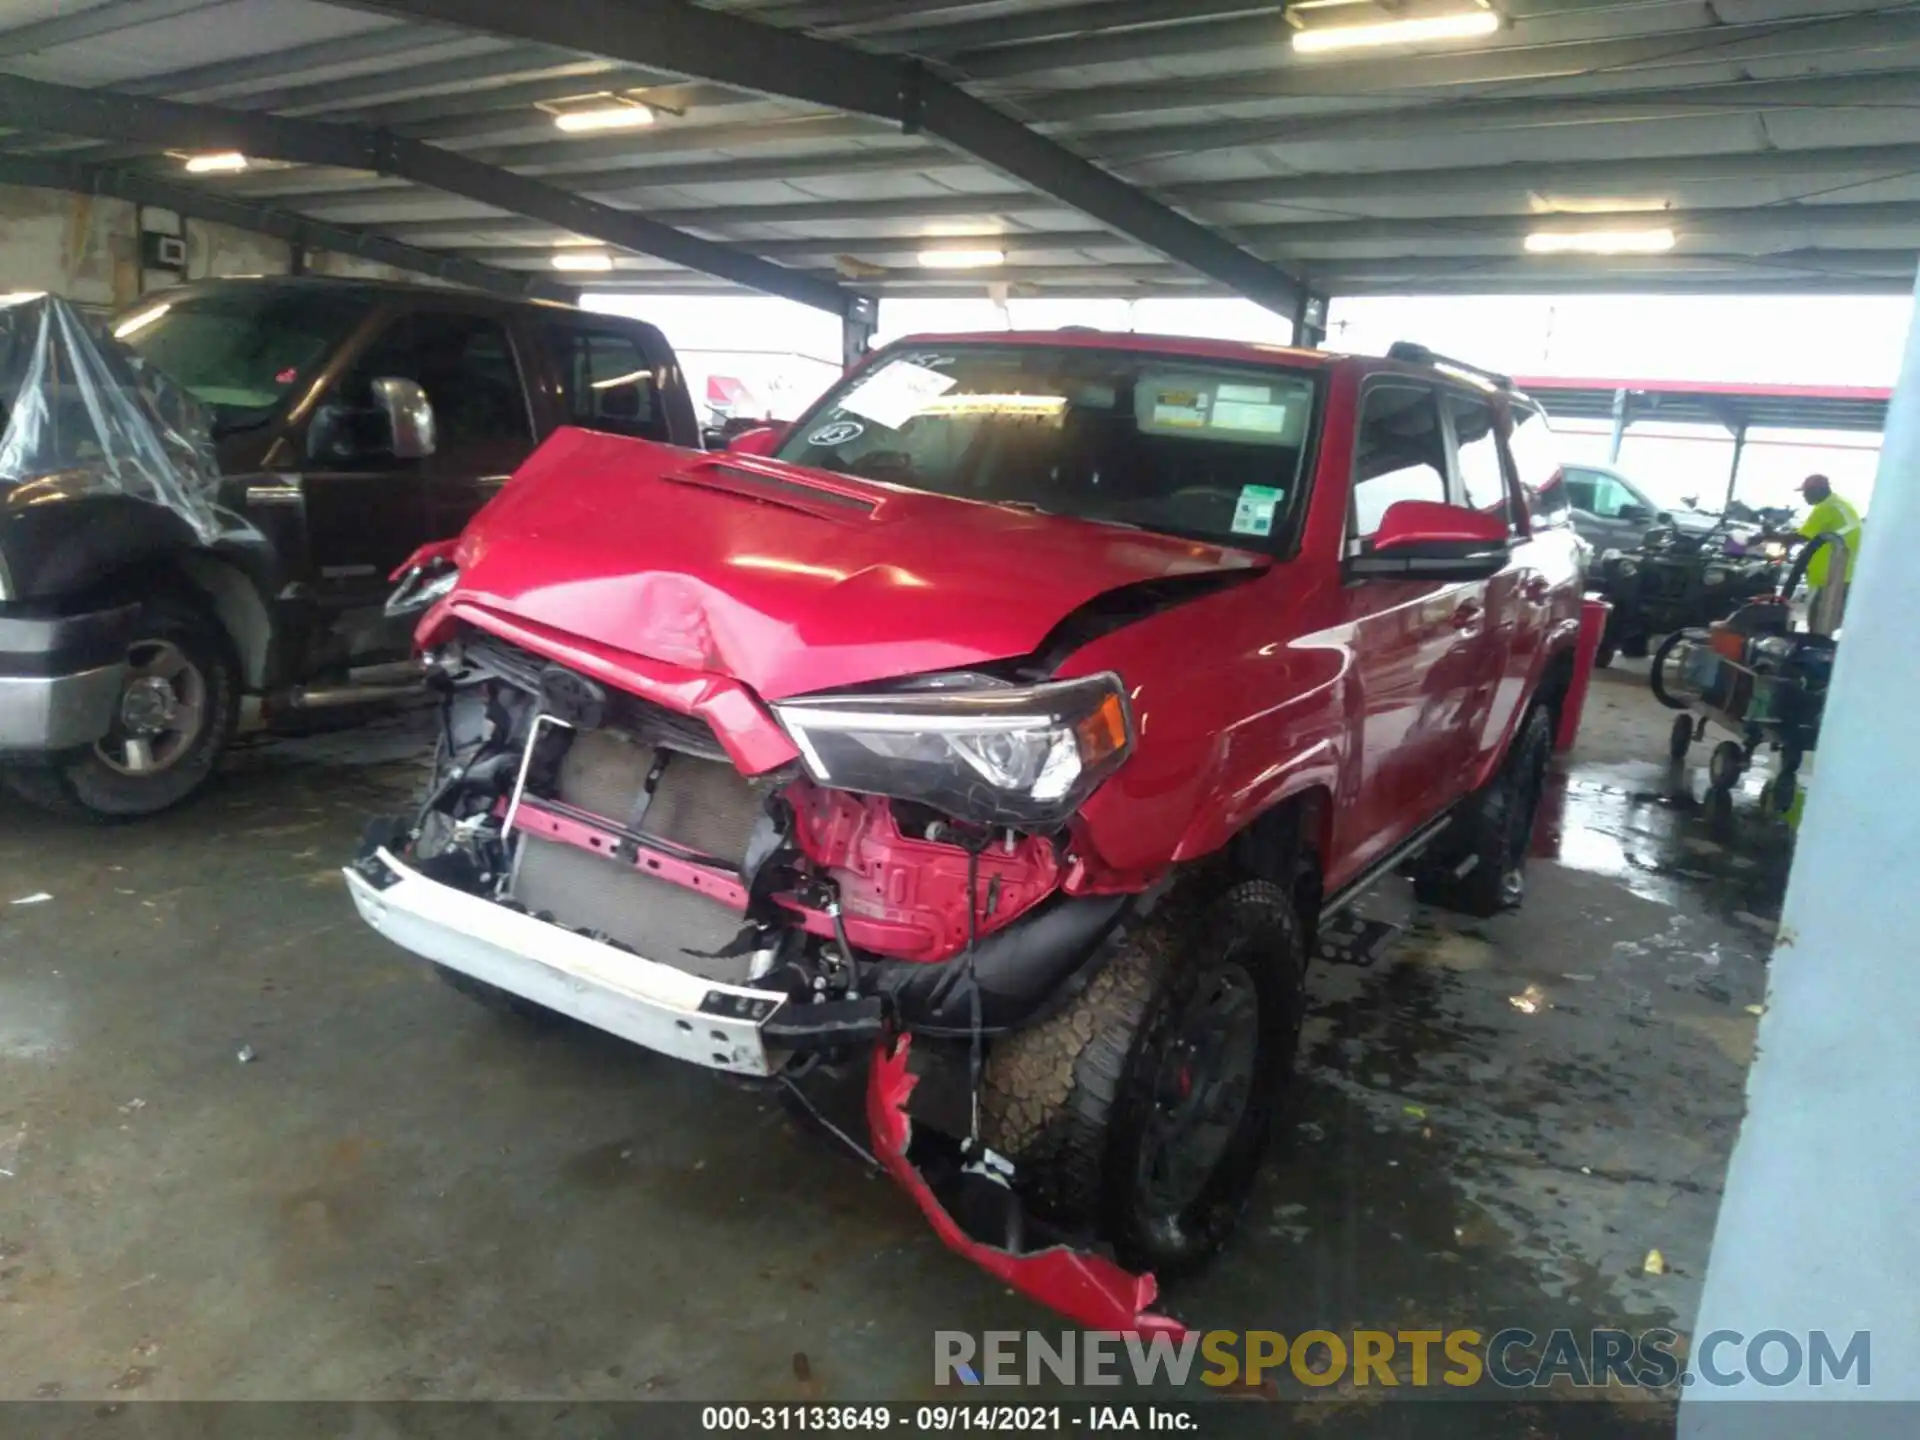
x=402, y=1196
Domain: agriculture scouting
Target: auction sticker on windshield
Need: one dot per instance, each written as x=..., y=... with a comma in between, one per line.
x=897, y=393
x=1253, y=515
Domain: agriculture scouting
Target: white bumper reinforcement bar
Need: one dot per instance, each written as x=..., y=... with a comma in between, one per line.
x=650, y=1004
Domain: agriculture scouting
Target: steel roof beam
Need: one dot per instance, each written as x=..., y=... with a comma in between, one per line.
x=749, y=55
x=1513, y=183
x=1261, y=44
x=106, y=115
x=1320, y=238
x=100, y=19
x=284, y=225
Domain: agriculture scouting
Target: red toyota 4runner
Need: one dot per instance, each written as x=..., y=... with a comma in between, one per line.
x=1017, y=718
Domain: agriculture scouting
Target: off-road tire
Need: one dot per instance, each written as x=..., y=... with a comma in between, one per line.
x=1634, y=646
x=1494, y=831
x=502, y=1002
x=81, y=785
x=1604, y=656
x=1065, y=1099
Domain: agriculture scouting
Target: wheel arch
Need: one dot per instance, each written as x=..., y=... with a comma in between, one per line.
x=234, y=601
x=1291, y=844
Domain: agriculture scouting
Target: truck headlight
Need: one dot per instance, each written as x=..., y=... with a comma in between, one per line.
x=1715, y=575
x=1626, y=567
x=1025, y=755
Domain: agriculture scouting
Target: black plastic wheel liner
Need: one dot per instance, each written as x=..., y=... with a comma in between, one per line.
x=1021, y=974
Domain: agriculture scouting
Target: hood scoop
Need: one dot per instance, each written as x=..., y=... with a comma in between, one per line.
x=792, y=490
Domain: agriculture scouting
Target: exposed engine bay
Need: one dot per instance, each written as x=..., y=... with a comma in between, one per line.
x=843, y=913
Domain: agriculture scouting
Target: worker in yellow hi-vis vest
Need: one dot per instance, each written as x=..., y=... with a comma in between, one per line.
x=1829, y=512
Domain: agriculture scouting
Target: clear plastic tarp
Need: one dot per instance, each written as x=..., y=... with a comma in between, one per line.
x=79, y=405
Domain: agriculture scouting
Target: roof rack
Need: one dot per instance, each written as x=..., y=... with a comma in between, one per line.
x=1415, y=354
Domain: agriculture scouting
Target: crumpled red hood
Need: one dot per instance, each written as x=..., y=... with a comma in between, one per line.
x=790, y=580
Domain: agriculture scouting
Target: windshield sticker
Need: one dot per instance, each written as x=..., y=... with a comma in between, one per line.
x=837, y=432
x=1258, y=417
x=1180, y=409
x=1254, y=514
x=896, y=394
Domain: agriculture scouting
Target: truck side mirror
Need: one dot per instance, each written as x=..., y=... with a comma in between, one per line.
x=409, y=416
x=397, y=424
x=761, y=440
x=1634, y=513
x=1425, y=540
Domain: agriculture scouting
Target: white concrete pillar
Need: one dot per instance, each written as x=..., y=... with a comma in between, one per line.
x=1820, y=1226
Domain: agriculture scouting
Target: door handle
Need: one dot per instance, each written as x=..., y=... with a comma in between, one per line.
x=1466, y=615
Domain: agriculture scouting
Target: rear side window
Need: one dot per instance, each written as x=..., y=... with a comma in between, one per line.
x=607, y=381
x=1536, y=460
x=1399, y=453
x=1483, y=481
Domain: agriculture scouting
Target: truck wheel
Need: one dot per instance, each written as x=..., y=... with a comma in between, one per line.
x=1495, y=831
x=1140, y=1112
x=1604, y=656
x=1634, y=646
x=175, y=717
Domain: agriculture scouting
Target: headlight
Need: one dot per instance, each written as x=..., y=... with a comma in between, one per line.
x=1627, y=567
x=1774, y=550
x=421, y=586
x=1715, y=575
x=1000, y=755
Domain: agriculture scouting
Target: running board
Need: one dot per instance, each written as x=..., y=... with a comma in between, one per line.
x=1386, y=864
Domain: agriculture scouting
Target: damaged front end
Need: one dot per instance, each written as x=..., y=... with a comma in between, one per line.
x=757, y=888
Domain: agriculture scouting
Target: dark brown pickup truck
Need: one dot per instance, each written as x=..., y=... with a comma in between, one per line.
x=352, y=422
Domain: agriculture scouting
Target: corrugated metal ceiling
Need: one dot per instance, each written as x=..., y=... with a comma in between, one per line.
x=1780, y=138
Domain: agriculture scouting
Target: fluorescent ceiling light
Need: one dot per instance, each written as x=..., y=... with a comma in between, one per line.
x=582, y=260
x=620, y=115
x=961, y=259
x=1462, y=26
x=133, y=324
x=1594, y=204
x=1600, y=242
x=220, y=162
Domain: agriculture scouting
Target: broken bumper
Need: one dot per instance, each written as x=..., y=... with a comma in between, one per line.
x=1087, y=1288
x=657, y=1006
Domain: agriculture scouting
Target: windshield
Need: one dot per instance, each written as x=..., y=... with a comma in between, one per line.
x=241, y=351
x=1194, y=448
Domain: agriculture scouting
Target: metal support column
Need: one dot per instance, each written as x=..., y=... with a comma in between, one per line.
x=1733, y=470
x=1818, y=1240
x=856, y=329
x=1622, y=417
x=1310, y=321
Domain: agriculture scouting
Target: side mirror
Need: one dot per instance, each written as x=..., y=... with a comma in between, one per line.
x=397, y=425
x=409, y=416
x=761, y=440
x=1634, y=513
x=1425, y=540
